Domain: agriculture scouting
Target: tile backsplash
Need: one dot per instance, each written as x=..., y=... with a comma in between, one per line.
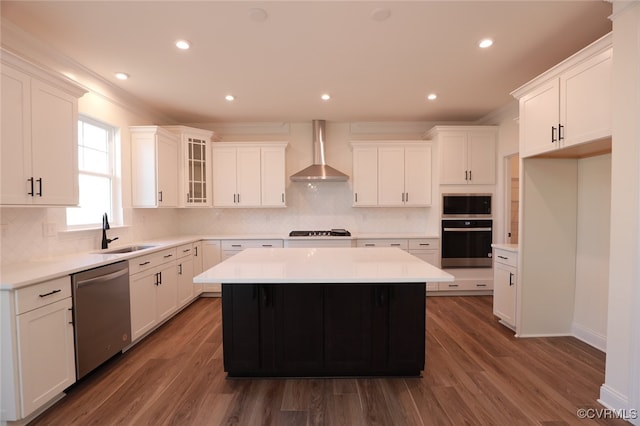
x=323, y=205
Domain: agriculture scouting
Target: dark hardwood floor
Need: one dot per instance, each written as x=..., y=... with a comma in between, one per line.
x=476, y=373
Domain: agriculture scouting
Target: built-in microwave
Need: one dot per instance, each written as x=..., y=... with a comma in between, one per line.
x=466, y=205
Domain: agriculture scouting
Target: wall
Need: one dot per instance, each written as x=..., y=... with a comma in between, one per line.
x=323, y=205
x=592, y=256
x=622, y=381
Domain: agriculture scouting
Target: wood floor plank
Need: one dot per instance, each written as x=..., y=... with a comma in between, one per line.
x=476, y=373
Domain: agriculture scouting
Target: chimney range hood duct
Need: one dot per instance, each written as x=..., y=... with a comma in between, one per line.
x=319, y=170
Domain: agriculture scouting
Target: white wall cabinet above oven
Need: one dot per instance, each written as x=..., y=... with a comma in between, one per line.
x=392, y=174
x=467, y=154
x=39, y=136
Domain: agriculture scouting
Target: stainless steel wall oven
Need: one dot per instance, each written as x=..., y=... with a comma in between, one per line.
x=467, y=231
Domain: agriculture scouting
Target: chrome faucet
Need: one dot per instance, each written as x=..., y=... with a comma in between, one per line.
x=105, y=226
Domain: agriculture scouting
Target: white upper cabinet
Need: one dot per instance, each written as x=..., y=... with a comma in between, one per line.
x=154, y=171
x=391, y=174
x=365, y=176
x=195, y=189
x=467, y=154
x=248, y=174
x=568, y=105
x=39, y=136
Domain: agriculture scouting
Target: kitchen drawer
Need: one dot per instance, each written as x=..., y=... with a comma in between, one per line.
x=237, y=245
x=424, y=243
x=184, y=250
x=474, y=285
x=384, y=242
x=505, y=257
x=152, y=260
x=38, y=295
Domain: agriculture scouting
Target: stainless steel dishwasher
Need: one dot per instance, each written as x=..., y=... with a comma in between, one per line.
x=101, y=313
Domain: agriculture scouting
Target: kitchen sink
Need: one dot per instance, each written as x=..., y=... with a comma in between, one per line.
x=129, y=249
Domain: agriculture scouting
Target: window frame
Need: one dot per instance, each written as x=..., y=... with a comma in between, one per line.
x=114, y=174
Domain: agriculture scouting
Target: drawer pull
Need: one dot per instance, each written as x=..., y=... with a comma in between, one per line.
x=50, y=293
x=395, y=245
x=481, y=285
x=453, y=285
x=503, y=257
x=425, y=244
x=369, y=245
x=236, y=245
x=186, y=250
x=166, y=256
x=144, y=263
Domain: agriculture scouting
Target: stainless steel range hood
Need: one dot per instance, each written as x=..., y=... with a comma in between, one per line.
x=319, y=170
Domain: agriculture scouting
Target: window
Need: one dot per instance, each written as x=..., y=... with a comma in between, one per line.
x=98, y=175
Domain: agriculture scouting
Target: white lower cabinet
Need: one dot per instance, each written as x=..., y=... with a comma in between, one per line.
x=38, y=356
x=185, y=274
x=427, y=249
x=153, y=290
x=198, y=265
x=505, y=275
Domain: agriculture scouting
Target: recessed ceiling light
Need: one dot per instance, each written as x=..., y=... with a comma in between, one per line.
x=229, y=97
x=432, y=96
x=257, y=15
x=487, y=42
x=122, y=76
x=325, y=97
x=183, y=44
x=380, y=14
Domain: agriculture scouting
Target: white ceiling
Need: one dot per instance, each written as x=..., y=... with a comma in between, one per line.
x=278, y=68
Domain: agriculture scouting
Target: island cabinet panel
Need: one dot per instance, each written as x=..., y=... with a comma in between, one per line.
x=323, y=329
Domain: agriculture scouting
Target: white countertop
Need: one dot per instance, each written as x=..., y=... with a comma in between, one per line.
x=17, y=275
x=509, y=247
x=323, y=265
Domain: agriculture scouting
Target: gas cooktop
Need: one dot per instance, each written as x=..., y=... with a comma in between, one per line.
x=330, y=233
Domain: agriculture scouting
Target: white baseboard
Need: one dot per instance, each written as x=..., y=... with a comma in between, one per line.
x=590, y=337
x=613, y=399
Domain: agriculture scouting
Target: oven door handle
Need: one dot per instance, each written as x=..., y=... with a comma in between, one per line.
x=466, y=229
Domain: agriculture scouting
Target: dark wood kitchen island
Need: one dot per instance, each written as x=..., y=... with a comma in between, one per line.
x=310, y=312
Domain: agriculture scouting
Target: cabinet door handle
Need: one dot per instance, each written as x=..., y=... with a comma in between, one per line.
x=160, y=196
x=560, y=135
x=283, y=197
x=159, y=277
x=403, y=197
x=406, y=197
x=356, y=195
x=188, y=197
x=195, y=251
x=39, y=180
x=510, y=279
x=180, y=269
x=30, y=180
x=466, y=175
x=50, y=293
x=238, y=198
x=553, y=134
x=470, y=179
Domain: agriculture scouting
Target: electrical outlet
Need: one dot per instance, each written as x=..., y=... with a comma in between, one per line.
x=49, y=229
